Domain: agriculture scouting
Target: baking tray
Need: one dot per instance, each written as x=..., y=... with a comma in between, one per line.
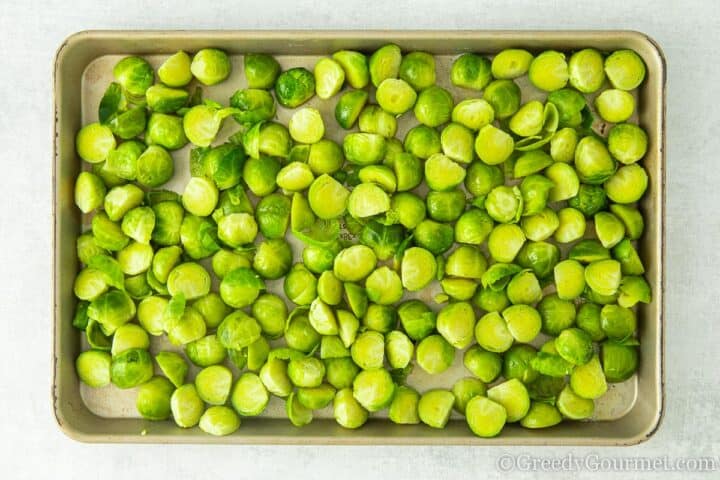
x=629, y=413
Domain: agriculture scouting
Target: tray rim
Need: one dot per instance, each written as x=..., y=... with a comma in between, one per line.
x=374, y=34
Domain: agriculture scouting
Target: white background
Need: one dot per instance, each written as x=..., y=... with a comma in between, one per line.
x=31, y=445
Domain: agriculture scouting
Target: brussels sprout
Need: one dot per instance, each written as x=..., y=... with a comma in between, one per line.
x=617, y=322
x=586, y=71
x=366, y=200
x=383, y=286
x=241, y=287
x=384, y=63
x=634, y=289
x=528, y=120
x=482, y=178
x=466, y=389
x=524, y=288
x=137, y=286
x=138, y=224
x=89, y=192
x=418, y=268
x=332, y=346
x=586, y=251
x=422, y=141
x=575, y=346
x=94, y=142
x=223, y=165
x=456, y=323
x=368, y=350
x=505, y=241
x=80, y=318
x=270, y=312
x=588, y=380
x=523, y=322
x=563, y=144
x=551, y=364
x=93, y=368
x=513, y=396
x=166, y=100
x=108, y=234
x=473, y=113
x=566, y=181
x=404, y=407
x=603, y=276
x=435, y=406
x=516, y=364
x=374, y=119
x=417, y=319
x=259, y=175
x=175, y=70
x=619, y=361
x=546, y=388
x=531, y=163
x=219, y=420
x=168, y=222
x=134, y=74
x=119, y=200
x=328, y=198
x=190, y=279
x=399, y=349
x=609, y=229
x=381, y=175
x=306, y=125
x=186, y=406
x=483, y=364
x=434, y=106
x=166, y=131
x=300, y=285
x=628, y=184
x=395, y=96
x=355, y=66
x=458, y=288
x=541, y=415
x=225, y=261
x=407, y=209
x=458, y=142
x=574, y=407
x=153, y=399
x=348, y=324
x=572, y=225
x=627, y=143
x=535, y=191
x=589, y=200
x=349, y=107
x=625, y=69
x=540, y=257
x=364, y=148
x=615, y=105
x=199, y=236
x=261, y=70
x=380, y=318
x=485, y=417
x=445, y=206
x=504, y=204
x=294, y=87
x=135, y=258
x=212, y=308
x=511, y=63
x=318, y=259
x=249, y=396
x=329, y=77
x=131, y=368
x=329, y=288
x=273, y=258
x=373, y=389
x=211, y=66
x=588, y=319
x=466, y=262
x=254, y=105
x=111, y=310
x=569, y=278
x=418, y=69
x=503, y=96
x=549, y=71
x=493, y=146
x=202, y=123
x=354, y=263
x=434, y=354
x=441, y=173
x=491, y=300
x=470, y=71
x=557, y=314
x=348, y=412
x=570, y=105
x=123, y=161
x=473, y=227
x=492, y=333
x=173, y=366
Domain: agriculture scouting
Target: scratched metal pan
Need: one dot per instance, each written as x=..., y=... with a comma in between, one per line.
x=628, y=414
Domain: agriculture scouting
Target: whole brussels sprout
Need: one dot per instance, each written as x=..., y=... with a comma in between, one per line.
x=260, y=175
x=261, y=70
x=131, y=368
x=422, y=141
x=503, y=96
x=619, y=361
x=540, y=257
x=294, y=87
x=134, y=74
x=166, y=131
x=241, y=287
x=517, y=363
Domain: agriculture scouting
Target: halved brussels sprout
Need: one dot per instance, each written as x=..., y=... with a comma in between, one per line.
x=120, y=200
x=505, y=241
x=131, y=368
x=563, y=144
x=473, y=113
x=434, y=354
x=628, y=184
x=349, y=107
x=549, y=71
x=93, y=368
x=572, y=225
x=493, y=146
x=166, y=131
x=395, y=96
x=329, y=77
x=619, y=361
x=513, y=396
x=511, y=63
x=273, y=258
x=418, y=268
x=417, y=319
x=306, y=125
x=586, y=70
x=219, y=420
x=625, y=69
x=456, y=323
x=603, y=276
x=404, y=407
x=364, y=148
x=211, y=66
x=241, y=287
x=89, y=192
x=615, y=105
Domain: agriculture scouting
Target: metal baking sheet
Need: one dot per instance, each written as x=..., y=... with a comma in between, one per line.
x=630, y=411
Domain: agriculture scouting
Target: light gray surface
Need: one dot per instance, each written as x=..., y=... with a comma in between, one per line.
x=30, y=444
